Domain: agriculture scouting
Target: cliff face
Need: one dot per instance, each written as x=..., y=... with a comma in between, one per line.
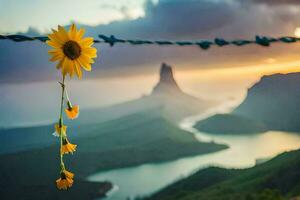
x=274, y=101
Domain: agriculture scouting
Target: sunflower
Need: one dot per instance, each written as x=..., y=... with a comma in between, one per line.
x=67, y=147
x=65, y=181
x=71, y=50
x=72, y=111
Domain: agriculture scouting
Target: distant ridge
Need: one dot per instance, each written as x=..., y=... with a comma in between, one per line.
x=273, y=103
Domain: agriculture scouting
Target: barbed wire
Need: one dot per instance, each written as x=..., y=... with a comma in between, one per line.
x=203, y=44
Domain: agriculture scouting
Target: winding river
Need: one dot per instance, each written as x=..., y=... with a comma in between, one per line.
x=243, y=152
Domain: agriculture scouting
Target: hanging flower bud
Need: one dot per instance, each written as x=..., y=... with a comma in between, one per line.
x=65, y=181
x=60, y=129
x=72, y=111
x=67, y=147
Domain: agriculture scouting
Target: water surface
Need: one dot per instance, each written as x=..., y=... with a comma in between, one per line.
x=244, y=150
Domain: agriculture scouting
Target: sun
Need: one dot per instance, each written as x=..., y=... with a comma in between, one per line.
x=297, y=32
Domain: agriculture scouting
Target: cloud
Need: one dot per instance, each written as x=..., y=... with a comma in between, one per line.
x=193, y=19
x=187, y=18
x=168, y=19
x=174, y=19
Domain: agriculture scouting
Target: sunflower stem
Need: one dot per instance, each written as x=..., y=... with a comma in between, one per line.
x=61, y=120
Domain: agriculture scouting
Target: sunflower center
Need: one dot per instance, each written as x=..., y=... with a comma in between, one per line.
x=72, y=49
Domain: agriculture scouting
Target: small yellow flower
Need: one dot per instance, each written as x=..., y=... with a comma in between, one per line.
x=72, y=111
x=65, y=181
x=71, y=50
x=60, y=129
x=67, y=147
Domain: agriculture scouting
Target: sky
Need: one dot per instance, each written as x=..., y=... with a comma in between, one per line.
x=200, y=16
x=220, y=73
x=149, y=19
x=19, y=16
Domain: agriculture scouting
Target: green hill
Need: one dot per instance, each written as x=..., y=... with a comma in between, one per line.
x=277, y=179
x=135, y=139
x=230, y=124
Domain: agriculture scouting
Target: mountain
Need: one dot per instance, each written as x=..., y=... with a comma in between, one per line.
x=165, y=96
x=127, y=141
x=277, y=179
x=167, y=83
x=273, y=103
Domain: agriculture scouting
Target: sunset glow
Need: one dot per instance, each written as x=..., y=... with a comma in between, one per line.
x=297, y=32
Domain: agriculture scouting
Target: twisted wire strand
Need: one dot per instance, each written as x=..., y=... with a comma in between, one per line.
x=203, y=44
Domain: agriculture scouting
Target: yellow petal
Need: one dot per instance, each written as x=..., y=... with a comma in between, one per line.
x=69, y=181
x=56, y=58
x=85, y=59
x=84, y=64
x=55, y=52
x=63, y=33
x=55, y=39
x=68, y=67
x=73, y=32
x=80, y=33
x=78, y=70
x=86, y=42
x=87, y=67
x=72, y=68
x=90, y=52
x=53, y=44
x=60, y=130
x=59, y=64
x=68, y=174
x=65, y=66
x=73, y=112
x=62, y=39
